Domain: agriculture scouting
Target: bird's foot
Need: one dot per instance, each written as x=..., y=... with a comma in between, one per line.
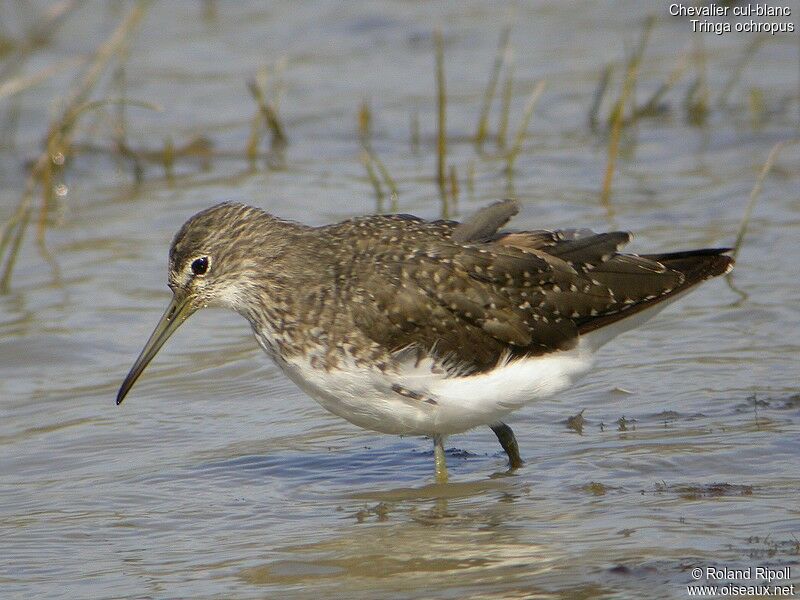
x=509, y=443
x=439, y=458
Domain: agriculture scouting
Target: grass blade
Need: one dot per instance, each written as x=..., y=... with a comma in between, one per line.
x=488, y=96
x=755, y=193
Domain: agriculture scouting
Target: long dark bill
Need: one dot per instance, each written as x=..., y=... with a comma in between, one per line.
x=177, y=312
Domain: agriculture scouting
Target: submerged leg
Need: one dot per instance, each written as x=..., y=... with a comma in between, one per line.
x=438, y=456
x=509, y=443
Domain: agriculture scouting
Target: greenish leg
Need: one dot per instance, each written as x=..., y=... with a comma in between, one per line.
x=509, y=443
x=438, y=455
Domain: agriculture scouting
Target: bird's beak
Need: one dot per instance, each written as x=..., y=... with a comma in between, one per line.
x=177, y=312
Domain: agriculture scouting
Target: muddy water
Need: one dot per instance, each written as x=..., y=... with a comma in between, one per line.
x=218, y=478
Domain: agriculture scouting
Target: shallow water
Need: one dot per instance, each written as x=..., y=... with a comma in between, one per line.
x=218, y=478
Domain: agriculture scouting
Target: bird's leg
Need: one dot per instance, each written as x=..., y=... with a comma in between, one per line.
x=509, y=443
x=438, y=456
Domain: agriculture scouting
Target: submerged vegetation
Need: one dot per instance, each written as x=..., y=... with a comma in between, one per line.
x=68, y=135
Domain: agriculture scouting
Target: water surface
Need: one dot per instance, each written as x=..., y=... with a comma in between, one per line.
x=218, y=478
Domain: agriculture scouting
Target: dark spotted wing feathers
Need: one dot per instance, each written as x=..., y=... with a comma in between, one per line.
x=473, y=296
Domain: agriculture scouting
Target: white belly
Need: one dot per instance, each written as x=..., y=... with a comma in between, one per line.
x=437, y=404
x=416, y=400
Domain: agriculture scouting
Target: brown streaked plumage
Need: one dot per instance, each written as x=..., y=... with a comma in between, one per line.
x=406, y=310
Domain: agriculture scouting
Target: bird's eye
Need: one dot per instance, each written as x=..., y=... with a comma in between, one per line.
x=200, y=266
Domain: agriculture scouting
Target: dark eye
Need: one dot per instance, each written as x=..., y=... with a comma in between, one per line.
x=200, y=266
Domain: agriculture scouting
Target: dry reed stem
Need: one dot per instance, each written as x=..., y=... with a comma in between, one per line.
x=617, y=117
x=367, y=161
x=754, y=194
x=9, y=227
x=279, y=88
x=58, y=143
x=59, y=137
x=471, y=177
x=68, y=122
x=387, y=178
x=488, y=95
x=268, y=112
x=370, y=158
x=636, y=58
x=511, y=157
x=651, y=105
x=365, y=123
x=5, y=281
x=169, y=158
x=697, y=99
x=736, y=74
x=599, y=94
x=414, y=126
x=107, y=50
x=454, y=190
x=441, y=135
x=19, y=84
x=508, y=90
x=254, y=139
x=611, y=163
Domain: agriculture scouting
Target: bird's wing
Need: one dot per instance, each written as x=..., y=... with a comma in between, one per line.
x=632, y=282
x=474, y=303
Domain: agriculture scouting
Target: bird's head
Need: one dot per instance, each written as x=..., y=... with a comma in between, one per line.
x=216, y=257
